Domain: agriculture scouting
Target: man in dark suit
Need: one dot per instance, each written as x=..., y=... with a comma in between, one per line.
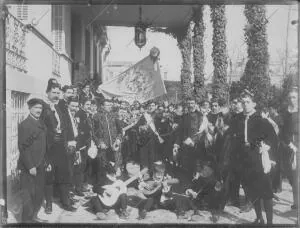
x=56, y=170
x=234, y=169
x=108, y=137
x=257, y=140
x=188, y=138
x=73, y=158
x=85, y=133
x=32, y=147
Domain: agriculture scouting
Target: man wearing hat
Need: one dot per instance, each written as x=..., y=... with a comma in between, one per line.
x=158, y=192
x=32, y=147
x=256, y=139
x=52, y=116
x=206, y=190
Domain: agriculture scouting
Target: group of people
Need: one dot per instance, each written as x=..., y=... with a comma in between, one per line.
x=179, y=157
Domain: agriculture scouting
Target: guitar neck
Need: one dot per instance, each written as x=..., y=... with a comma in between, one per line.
x=131, y=179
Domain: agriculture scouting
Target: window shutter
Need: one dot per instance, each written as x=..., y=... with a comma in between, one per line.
x=22, y=12
x=57, y=26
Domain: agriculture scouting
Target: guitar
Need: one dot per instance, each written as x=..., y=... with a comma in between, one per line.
x=152, y=187
x=113, y=191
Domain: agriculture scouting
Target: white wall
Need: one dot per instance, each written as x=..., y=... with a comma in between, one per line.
x=39, y=52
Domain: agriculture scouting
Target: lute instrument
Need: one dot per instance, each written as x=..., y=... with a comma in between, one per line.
x=113, y=191
x=152, y=187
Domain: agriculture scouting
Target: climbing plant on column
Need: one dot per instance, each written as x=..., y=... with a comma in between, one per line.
x=219, y=53
x=184, y=39
x=183, y=35
x=198, y=53
x=256, y=75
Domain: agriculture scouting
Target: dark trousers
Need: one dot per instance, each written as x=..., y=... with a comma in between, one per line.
x=188, y=159
x=234, y=185
x=293, y=179
x=61, y=174
x=145, y=204
x=80, y=171
x=98, y=206
x=147, y=154
x=33, y=193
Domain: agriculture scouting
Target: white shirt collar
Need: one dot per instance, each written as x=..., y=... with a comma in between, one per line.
x=33, y=117
x=250, y=114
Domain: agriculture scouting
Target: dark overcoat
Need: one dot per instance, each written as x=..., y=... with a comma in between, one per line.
x=56, y=153
x=250, y=160
x=32, y=147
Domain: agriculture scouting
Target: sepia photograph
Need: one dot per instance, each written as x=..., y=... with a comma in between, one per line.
x=158, y=113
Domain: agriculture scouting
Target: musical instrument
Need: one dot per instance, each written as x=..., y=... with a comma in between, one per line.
x=113, y=191
x=152, y=187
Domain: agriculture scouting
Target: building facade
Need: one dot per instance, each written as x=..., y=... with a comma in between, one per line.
x=42, y=42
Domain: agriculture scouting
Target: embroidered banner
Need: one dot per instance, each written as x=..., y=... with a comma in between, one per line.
x=141, y=82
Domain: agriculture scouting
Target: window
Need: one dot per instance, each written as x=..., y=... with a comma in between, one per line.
x=22, y=12
x=57, y=26
x=18, y=112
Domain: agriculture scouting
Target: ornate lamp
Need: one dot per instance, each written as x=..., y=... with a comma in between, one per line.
x=140, y=32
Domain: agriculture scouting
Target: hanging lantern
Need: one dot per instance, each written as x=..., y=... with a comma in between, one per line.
x=140, y=35
x=140, y=32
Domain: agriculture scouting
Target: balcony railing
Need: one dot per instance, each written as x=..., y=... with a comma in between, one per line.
x=15, y=43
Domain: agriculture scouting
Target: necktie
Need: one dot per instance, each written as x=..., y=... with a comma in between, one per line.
x=58, y=128
x=246, y=129
x=74, y=125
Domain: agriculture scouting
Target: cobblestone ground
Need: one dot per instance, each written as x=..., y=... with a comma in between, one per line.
x=231, y=215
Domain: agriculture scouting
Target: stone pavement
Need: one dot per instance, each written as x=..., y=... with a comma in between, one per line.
x=231, y=215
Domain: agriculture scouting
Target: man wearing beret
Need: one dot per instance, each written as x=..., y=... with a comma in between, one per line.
x=32, y=147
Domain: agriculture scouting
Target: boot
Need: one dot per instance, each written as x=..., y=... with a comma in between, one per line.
x=48, y=197
x=64, y=198
x=123, y=214
x=142, y=214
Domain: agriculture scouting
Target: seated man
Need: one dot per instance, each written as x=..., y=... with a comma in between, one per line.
x=158, y=189
x=99, y=202
x=137, y=198
x=207, y=192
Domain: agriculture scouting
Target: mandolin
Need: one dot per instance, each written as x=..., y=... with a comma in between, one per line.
x=152, y=187
x=113, y=191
